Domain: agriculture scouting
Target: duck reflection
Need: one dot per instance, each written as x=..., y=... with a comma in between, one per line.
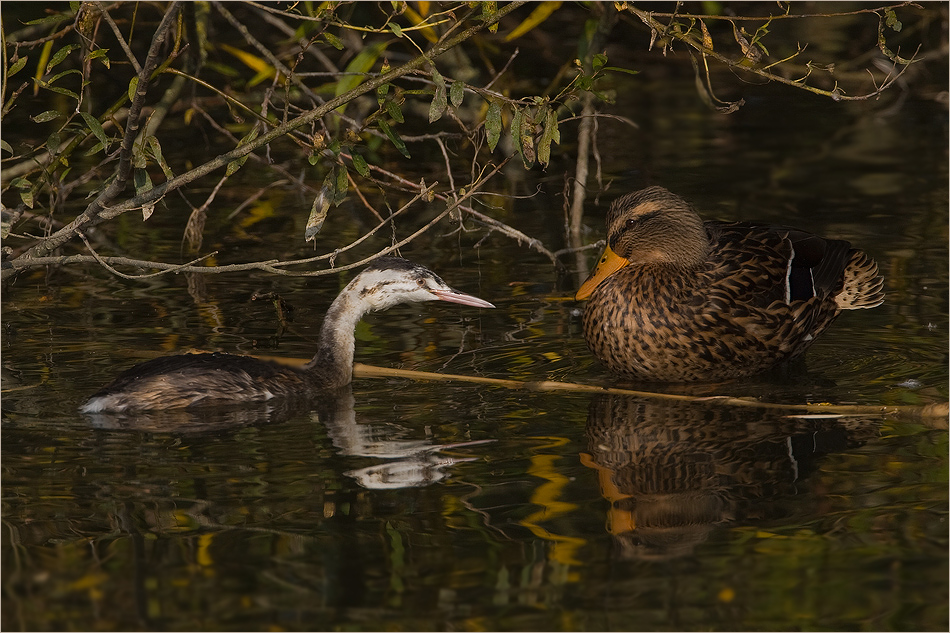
x=673, y=471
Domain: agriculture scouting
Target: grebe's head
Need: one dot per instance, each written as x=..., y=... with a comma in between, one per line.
x=389, y=281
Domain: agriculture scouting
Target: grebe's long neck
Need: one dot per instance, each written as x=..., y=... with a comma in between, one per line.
x=332, y=366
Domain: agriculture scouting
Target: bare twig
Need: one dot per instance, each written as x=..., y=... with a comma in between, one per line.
x=171, y=269
x=121, y=38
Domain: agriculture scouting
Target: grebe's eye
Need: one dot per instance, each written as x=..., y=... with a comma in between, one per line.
x=421, y=282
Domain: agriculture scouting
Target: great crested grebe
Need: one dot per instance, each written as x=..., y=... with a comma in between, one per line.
x=676, y=299
x=186, y=380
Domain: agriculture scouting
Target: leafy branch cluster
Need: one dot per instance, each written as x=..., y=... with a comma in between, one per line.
x=753, y=57
x=279, y=84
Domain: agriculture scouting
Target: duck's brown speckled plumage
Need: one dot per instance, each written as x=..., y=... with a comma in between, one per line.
x=687, y=300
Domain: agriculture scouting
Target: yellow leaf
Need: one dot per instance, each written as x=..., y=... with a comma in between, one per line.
x=417, y=19
x=260, y=211
x=41, y=65
x=253, y=62
x=539, y=15
x=204, y=553
x=88, y=581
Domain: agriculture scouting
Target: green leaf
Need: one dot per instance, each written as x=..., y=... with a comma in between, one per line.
x=342, y=185
x=489, y=8
x=457, y=93
x=237, y=163
x=132, y=87
x=51, y=18
x=381, y=91
x=16, y=67
x=398, y=142
x=95, y=149
x=27, y=197
x=59, y=76
x=52, y=142
x=57, y=89
x=96, y=128
x=359, y=163
x=493, y=124
x=520, y=134
x=516, y=121
x=6, y=146
x=102, y=54
x=618, y=69
x=333, y=40
x=43, y=117
x=159, y=158
x=395, y=111
x=550, y=133
x=142, y=181
x=439, y=101
x=358, y=67
x=893, y=22
x=396, y=29
x=599, y=61
x=60, y=55
x=20, y=183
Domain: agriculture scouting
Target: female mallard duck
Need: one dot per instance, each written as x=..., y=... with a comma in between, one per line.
x=674, y=298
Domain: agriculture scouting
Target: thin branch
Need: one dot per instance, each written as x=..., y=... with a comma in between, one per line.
x=120, y=38
x=171, y=269
x=934, y=414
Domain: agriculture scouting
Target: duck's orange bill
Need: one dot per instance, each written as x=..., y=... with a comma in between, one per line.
x=610, y=262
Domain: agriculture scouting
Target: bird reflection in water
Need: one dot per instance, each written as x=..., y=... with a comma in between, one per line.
x=403, y=463
x=408, y=463
x=673, y=471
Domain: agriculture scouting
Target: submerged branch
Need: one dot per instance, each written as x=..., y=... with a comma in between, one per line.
x=934, y=415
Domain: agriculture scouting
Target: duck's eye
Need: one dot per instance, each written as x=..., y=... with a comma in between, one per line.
x=630, y=223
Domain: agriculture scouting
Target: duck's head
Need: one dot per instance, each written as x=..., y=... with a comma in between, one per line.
x=649, y=226
x=389, y=281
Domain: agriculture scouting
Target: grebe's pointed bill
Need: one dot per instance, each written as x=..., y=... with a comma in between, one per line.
x=454, y=296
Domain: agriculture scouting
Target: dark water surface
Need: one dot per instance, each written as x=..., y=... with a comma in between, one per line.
x=437, y=505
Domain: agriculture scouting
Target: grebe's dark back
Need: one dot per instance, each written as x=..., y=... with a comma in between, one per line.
x=187, y=380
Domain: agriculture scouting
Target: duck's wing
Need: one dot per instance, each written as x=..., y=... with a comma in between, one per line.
x=768, y=263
